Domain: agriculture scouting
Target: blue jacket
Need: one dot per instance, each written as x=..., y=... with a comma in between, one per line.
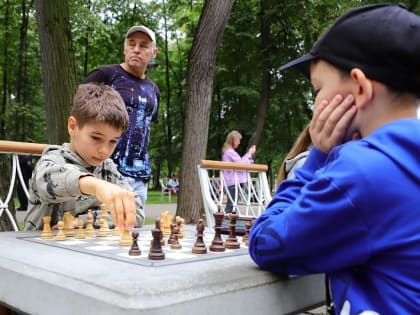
x=355, y=215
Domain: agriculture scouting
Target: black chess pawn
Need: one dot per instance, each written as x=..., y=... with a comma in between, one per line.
x=217, y=243
x=248, y=226
x=232, y=241
x=175, y=244
x=162, y=239
x=171, y=238
x=134, y=250
x=156, y=252
x=199, y=246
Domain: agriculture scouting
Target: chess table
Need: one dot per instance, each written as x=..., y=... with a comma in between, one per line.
x=44, y=278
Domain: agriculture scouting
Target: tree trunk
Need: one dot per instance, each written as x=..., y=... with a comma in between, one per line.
x=5, y=70
x=58, y=68
x=200, y=74
x=4, y=162
x=266, y=79
x=22, y=127
x=168, y=114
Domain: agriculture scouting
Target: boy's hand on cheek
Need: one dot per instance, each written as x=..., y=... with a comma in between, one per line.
x=331, y=121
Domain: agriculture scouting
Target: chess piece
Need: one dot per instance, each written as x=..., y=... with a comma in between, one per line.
x=248, y=226
x=134, y=250
x=126, y=239
x=175, y=244
x=102, y=232
x=155, y=252
x=199, y=246
x=158, y=222
x=68, y=224
x=104, y=214
x=180, y=222
x=166, y=220
x=232, y=241
x=162, y=240
x=46, y=230
x=81, y=233
x=89, y=230
x=171, y=238
x=217, y=243
x=60, y=234
x=116, y=231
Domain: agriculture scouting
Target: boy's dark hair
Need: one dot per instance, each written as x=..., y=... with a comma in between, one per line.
x=99, y=103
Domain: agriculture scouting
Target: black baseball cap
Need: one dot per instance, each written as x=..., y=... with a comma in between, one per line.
x=382, y=40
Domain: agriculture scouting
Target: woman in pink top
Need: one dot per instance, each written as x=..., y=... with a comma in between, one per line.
x=229, y=154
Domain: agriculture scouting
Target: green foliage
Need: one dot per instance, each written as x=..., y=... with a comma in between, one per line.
x=22, y=115
x=98, y=31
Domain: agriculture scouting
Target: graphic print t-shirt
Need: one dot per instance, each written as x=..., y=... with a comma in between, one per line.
x=141, y=97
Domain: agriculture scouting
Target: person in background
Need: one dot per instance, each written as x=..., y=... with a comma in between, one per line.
x=79, y=175
x=229, y=154
x=352, y=211
x=296, y=156
x=173, y=184
x=141, y=96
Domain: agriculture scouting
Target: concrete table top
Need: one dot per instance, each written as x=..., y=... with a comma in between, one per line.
x=40, y=279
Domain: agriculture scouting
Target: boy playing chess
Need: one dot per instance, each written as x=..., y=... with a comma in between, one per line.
x=352, y=211
x=79, y=175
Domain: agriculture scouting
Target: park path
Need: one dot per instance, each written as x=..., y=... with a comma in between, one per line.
x=153, y=211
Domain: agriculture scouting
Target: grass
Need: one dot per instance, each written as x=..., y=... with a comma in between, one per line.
x=154, y=197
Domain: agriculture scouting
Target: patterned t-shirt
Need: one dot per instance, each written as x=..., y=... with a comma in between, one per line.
x=141, y=97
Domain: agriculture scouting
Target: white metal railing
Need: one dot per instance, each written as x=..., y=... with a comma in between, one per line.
x=14, y=149
x=248, y=200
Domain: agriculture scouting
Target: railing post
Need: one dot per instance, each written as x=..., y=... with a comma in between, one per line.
x=16, y=148
x=4, y=205
x=248, y=201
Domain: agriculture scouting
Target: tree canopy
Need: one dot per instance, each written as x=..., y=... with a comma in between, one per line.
x=248, y=94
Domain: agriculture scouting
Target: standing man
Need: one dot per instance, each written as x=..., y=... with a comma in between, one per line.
x=141, y=96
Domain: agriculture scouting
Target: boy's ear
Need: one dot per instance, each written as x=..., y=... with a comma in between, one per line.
x=364, y=87
x=71, y=125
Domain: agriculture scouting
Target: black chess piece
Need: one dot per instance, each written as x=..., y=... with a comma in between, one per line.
x=248, y=226
x=217, y=243
x=156, y=252
x=232, y=241
x=199, y=246
x=171, y=238
x=134, y=250
x=175, y=244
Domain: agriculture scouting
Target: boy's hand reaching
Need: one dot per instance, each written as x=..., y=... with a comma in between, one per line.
x=331, y=121
x=120, y=202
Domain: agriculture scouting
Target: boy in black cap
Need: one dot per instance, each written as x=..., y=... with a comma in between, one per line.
x=352, y=211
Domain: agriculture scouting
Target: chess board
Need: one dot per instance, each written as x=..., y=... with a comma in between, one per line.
x=108, y=247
